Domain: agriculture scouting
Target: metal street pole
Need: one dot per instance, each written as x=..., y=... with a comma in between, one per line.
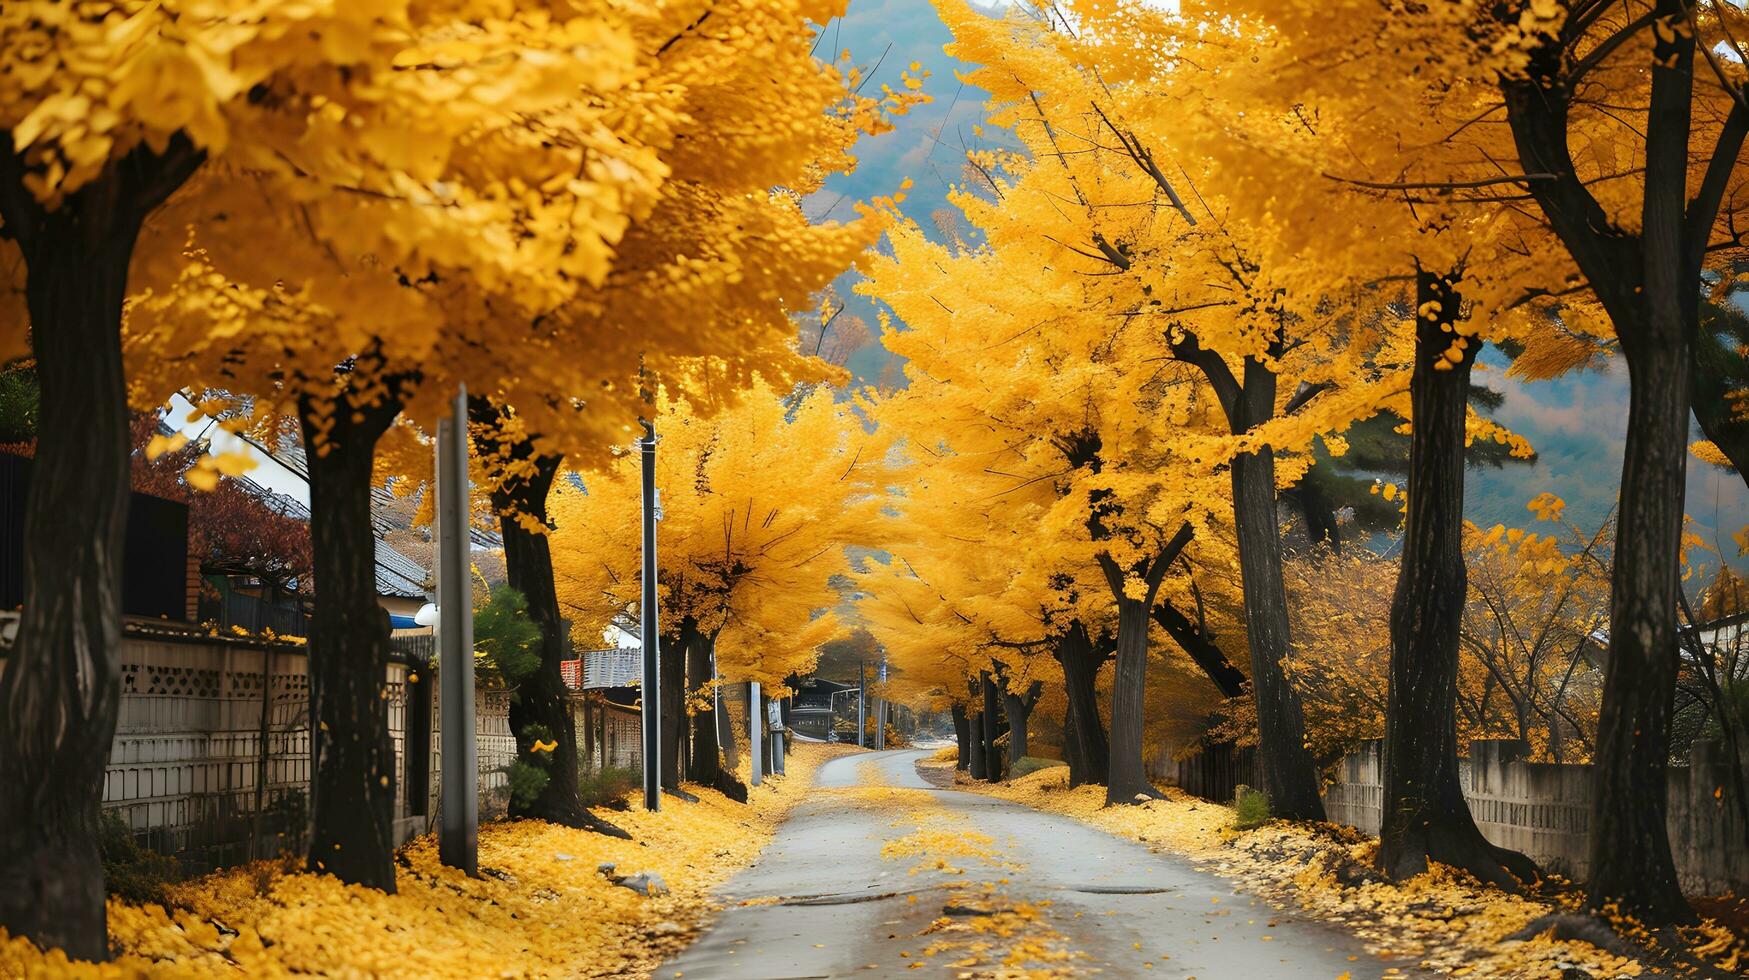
x=777, y=737
x=861, y=700
x=881, y=710
x=651, y=639
x=458, y=839
x=775, y=718
x=756, y=733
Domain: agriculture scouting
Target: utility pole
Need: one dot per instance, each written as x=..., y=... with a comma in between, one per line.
x=458, y=839
x=775, y=716
x=881, y=710
x=652, y=692
x=756, y=733
x=861, y=701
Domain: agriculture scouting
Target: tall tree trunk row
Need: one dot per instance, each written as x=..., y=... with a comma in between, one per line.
x=61, y=690
x=540, y=708
x=1425, y=816
x=353, y=788
x=1290, y=776
x=1090, y=756
x=705, y=764
x=962, y=734
x=1018, y=708
x=992, y=715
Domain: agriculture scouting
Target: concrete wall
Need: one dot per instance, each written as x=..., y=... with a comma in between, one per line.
x=187, y=770
x=1544, y=810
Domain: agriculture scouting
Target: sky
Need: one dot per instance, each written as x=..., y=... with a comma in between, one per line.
x=1576, y=423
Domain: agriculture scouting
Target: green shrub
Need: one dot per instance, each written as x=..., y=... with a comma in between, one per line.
x=131, y=872
x=527, y=782
x=532, y=771
x=608, y=787
x=506, y=641
x=1031, y=764
x=1251, y=808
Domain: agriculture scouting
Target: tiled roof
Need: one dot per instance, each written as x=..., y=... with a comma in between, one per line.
x=620, y=667
x=397, y=575
x=385, y=516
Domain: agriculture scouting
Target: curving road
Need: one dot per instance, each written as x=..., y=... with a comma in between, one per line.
x=881, y=874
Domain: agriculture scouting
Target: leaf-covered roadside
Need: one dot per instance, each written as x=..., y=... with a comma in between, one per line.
x=540, y=907
x=1444, y=919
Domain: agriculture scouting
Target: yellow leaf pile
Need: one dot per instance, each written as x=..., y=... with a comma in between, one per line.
x=1444, y=918
x=540, y=907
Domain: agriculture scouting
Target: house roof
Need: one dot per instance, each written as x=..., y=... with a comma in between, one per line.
x=385, y=516
x=396, y=574
x=619, y=667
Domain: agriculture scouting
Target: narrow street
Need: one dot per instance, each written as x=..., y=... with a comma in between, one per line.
x=880, y=874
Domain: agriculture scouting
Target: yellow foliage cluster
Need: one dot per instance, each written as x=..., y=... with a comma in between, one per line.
x=427, y=194
x=540, y=906
x=758, y=504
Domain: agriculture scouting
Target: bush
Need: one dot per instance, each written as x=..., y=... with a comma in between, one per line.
x=1251, y=808
x=527, y=782
x=949, y=754
x=1031, y=764
x=608, y=787
x=506, y=640
x=131, y=872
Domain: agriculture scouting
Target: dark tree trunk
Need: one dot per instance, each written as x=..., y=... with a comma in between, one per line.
x=1127, y=779
x=1195, y=640
x=1018, y=708
x=1631, y=863
x=540, y=709
x=672, y=657
x=1290, y=777
x=1650, y=286
x=1083, y=726
x=705, y=764
x=992, y=716
x=978, y=767
x=1630, y=847
x=61, y=687
x=1426, y=817
x=962, y=734
x=353, y=792
x=1072, y=755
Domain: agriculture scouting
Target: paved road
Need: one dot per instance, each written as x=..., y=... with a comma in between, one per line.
x=880, y=874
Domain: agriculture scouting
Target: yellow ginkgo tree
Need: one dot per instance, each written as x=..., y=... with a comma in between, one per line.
x=308, y=142
x=759, y=503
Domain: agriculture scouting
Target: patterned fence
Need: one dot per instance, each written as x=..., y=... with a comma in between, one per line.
x=211, y=758
x=1540, y=809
